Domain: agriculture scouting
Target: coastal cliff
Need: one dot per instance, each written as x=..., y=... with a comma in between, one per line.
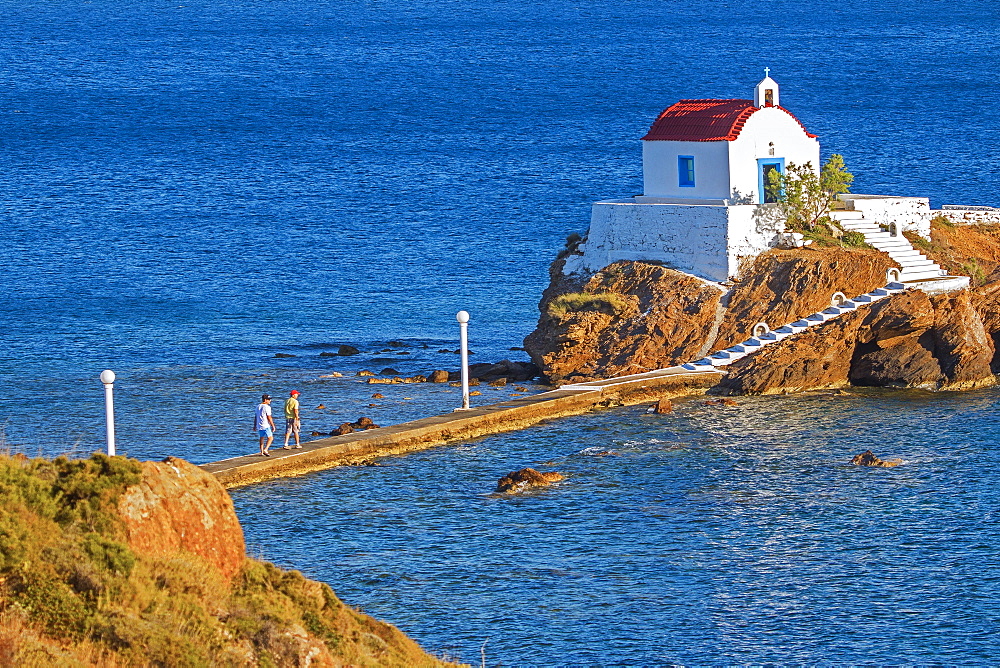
x=632, y=317
x=107, y=561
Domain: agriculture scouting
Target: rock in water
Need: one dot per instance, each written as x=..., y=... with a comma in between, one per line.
x=439, y=376
x=347, y=350
x=345, y=428
x=662, y=407
x=518, y=480
x=868, y=458
x=364, y=423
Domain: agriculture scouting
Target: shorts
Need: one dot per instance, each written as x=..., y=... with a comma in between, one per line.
x=265, y=433
x=292, y=425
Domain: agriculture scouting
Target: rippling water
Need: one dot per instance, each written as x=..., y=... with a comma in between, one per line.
x=712, y=535
x=190, y=188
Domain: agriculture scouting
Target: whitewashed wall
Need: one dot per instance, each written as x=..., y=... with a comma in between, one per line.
x=908, y=213
x=752, y=230
x=767, y=125
x=711, y=169
x=970, y=216
x=704, y=240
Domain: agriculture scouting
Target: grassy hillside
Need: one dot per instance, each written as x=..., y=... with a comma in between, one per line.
x=73, y=592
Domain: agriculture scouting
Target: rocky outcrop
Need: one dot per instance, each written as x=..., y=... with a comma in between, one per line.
x=783, y=286
x=630, y=317
x=909, y=340
x=525, y=478
x=177, y=507
x=634, y=316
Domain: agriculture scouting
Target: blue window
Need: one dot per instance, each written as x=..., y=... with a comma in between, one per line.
x=685, y=171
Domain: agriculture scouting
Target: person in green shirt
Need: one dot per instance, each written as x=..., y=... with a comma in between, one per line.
x=292, y=423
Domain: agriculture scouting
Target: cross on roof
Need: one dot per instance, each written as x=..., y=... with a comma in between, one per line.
x=767, y=71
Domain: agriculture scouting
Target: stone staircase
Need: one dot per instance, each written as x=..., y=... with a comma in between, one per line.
x=758, y=341
x=915, y=266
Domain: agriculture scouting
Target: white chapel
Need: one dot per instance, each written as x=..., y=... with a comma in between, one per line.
x=704, y=166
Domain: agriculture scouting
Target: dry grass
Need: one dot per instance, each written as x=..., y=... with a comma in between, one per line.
x=73, y=593
x=966, y=250
x=611, y=303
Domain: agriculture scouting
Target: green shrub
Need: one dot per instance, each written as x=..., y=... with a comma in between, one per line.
x=853, y=239
x=918, y=241
x=52, y=603
x=942, y=220
x=974, y=272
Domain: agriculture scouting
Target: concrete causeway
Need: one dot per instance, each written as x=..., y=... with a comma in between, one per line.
x=691, y=378
x=496, y=418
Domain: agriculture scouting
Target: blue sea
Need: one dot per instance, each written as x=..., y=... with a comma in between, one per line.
x=189, y=188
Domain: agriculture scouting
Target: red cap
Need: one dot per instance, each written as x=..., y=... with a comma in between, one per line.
x=293, y=392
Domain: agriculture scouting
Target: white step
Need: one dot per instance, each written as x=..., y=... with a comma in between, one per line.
x=846, y=215
x=896, y=254
x=901, y=257
x=894, y=245
x=897, y=251
x=922, y=263
x=920, y=275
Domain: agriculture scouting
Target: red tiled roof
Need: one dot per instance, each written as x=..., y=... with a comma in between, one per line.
x=705, y=120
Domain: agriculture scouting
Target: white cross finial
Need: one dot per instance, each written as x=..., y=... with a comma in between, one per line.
x=767, y=71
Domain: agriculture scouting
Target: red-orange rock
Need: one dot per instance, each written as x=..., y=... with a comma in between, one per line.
x=519, y=480
x=962, y=344
x=180, y=508
x=908, y=340
x=656, y=317
x=782, y=286
x=868, y=458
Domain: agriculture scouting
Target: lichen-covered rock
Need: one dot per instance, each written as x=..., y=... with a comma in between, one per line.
x=177, y=507
x=528, y=477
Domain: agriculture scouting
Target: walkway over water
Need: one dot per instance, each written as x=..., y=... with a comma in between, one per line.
x=420, y=434
x=690, y=378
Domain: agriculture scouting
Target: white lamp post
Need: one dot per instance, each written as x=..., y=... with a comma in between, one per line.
x=463, y=327
x=108, y=378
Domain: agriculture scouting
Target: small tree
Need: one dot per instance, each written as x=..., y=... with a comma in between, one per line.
x=805, y=197
x=835, y=179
